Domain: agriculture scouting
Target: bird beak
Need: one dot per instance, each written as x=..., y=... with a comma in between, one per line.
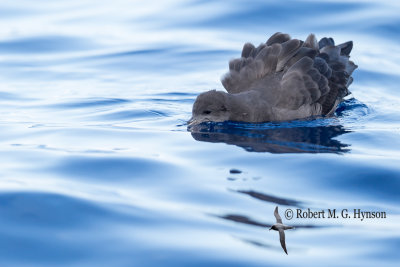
x=192, y=122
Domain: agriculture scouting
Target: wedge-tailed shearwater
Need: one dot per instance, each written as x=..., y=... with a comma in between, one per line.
x=279, y=226
x=282, y=79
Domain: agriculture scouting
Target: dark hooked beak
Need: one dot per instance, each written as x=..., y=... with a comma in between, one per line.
x=192, y=122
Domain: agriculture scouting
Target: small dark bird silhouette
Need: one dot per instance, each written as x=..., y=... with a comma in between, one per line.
x=279, y=226
x=282, y=79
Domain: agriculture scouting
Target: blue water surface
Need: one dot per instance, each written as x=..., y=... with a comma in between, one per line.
x=98, y=167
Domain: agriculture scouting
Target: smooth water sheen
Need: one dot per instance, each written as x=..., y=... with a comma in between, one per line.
x=98, y=168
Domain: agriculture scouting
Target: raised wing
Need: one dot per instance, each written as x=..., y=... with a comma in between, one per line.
x=311, y=73
x=282, y=239
x=302, y=84
x=257, y=62
x=278, y=218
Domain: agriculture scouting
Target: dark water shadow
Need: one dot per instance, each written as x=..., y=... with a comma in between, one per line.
x=301, y=136
x=256, y=243
x=270, y=198
x=319, y=139
x=237, y=218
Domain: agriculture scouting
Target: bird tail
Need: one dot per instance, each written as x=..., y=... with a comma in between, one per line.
x=338, y=69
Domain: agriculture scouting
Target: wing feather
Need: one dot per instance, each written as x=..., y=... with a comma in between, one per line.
x=276, y=214
x=299, y=85
x=282, y=239
x=311, y=73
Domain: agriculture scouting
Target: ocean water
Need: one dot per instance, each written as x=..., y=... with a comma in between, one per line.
x=98, y=167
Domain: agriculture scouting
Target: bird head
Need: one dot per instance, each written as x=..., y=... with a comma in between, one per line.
x=210, y=106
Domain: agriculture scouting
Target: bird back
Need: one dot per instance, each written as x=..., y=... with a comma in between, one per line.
x=310, y=72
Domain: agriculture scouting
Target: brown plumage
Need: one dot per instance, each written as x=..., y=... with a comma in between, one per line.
x=282, y=79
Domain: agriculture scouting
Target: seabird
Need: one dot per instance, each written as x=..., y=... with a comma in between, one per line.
x=279, y=226
x=280, y=80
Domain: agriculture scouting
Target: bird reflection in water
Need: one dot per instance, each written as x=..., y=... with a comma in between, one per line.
x=300, y=137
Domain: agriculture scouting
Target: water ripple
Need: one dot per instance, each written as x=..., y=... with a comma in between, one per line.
x=89, y=103
x=44, y=44
x=98, y=168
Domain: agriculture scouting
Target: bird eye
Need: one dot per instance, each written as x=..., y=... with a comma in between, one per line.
x=206, y=112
